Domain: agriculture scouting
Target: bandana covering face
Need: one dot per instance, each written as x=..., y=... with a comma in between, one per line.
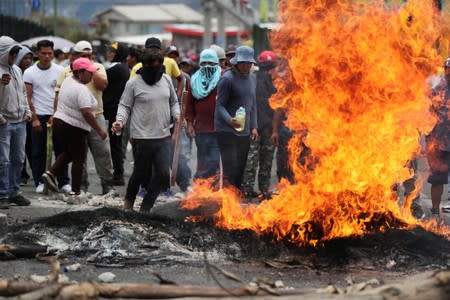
x=151, y=75
x=204, y=81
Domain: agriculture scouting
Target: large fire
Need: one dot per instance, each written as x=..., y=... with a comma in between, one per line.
x=357, y=84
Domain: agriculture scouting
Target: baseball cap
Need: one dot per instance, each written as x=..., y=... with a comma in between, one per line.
x=83, y=47
x=231, y=50
x=153, y=43
x=267, y=56
x=83, y=63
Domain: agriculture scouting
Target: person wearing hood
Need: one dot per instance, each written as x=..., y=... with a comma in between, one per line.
x=261, y=152
x=148, y=102
x=200, y=107
x=14, y=113
x=236, y=92
x=117, y=74
x=24, y=60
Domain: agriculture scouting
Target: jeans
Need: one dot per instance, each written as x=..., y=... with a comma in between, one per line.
x=39, y=150
x=208, y=155
x=150, y=155
x=12, y=154
x=101, y=154
x=234, y=152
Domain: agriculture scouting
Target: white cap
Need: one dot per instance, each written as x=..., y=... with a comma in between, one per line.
x=83, y=47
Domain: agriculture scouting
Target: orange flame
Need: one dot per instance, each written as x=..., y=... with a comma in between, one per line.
x=357, y=84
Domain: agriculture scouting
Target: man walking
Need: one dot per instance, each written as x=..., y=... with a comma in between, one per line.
x=14, y=112
x=40, y=81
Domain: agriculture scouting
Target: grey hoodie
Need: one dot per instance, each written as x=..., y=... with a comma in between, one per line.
x=13, y=100
x=22, y=52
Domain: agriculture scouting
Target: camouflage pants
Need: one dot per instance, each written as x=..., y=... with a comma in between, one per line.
x=260, y=155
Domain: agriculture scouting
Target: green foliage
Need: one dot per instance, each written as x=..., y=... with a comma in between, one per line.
x=67, y=28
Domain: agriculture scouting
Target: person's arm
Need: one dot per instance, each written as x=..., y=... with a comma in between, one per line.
x=99, y=78
x=90, y=119
x=180, y=85
x=27, y=111
x=276, y=126
x=190, y=112
x=223, y=96
x=35, y=121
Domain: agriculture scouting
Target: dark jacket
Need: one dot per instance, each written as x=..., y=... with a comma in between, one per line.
x=264, y=90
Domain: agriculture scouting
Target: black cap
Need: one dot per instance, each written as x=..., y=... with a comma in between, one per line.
x=153, y=43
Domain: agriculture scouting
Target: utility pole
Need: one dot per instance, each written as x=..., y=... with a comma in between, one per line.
x=55, y=15
x=207, y=34
x=221, y=35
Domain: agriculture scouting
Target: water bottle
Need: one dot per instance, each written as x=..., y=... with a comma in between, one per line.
x=240, y=117
x=72, y=268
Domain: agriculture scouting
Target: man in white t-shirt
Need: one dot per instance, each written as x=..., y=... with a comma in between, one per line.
x=40, y=80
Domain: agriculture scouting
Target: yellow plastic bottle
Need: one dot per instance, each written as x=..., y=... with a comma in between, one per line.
x=240, y=117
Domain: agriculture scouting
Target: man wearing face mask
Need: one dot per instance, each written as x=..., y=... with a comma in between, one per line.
x=236, y=89
x=200, y=106
x=148, y=101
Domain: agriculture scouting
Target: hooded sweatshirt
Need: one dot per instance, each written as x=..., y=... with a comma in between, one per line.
x=22, y=52
x=13, y=103
x=118, y=74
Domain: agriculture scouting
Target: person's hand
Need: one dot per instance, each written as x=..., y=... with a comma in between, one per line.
x=50, y=121
x=275, y=138
x=191, y=130
x=26, y=118
x=4, y=122
x=103, y=135
x=235, y=123
x=254, y=135
x=6, y=78
x=116, y=126
x=36, y=124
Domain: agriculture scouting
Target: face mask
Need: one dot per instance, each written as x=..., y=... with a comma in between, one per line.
x=151, y=75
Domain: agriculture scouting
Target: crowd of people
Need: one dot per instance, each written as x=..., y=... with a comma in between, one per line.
x=220, y=98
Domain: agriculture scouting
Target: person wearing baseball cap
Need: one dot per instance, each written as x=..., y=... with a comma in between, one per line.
x=72, y=121
x=260, y=156
x=100, y=149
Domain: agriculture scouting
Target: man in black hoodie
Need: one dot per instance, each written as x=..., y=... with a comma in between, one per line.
x=118, y=74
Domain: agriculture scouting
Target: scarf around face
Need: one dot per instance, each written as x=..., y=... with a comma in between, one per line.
x=204, y=81
x=151, y=75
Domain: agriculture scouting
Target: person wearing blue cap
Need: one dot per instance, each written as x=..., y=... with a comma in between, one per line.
x=236, y=92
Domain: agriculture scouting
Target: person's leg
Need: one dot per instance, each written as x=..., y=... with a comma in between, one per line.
x=25, y=175
x=242, y=145
x=283, y=169
x=63, y=135
x=438, y=163
x=115, y=143
x=16, y=157
x=208, y=155
x=142, y=158
x=250, y=169
x=160, y=181
x=76, y=146
x=5, y=136
x=101, y=154
x=266, y=151
x=228, y=153
x=38, y=150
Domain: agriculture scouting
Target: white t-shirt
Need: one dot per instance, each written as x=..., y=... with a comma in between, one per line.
x=72, y=97
x=43, y=82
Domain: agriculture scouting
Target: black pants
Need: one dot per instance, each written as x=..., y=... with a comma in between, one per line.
x=150, y=155
x=234, y=151
x=115, y=143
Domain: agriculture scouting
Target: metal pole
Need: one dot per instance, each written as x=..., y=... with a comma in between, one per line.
x=221, y=31
x=207, y=35
x=55, y=14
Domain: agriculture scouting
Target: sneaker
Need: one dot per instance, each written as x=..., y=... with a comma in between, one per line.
x=142, y=192
x=19, y=200
x=40, y=188
x=4, y=204
x=65, y=189
x=168, y=193
x=49, y=181
x=446, y=207
x=23, y=181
